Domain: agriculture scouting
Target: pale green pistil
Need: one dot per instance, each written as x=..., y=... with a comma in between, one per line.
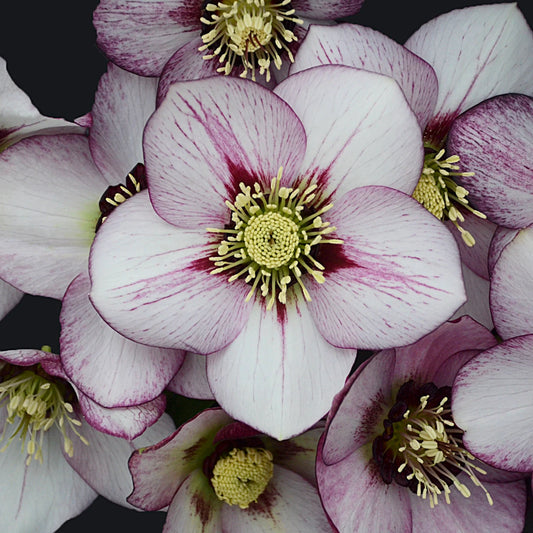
x=36, y=404
x=271, y=243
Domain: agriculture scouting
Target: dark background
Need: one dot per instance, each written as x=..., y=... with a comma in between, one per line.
x=51, y=54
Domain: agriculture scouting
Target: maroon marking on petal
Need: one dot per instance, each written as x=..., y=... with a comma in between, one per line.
x=202, y=508
x=190, y=453
x=369, y=422
x=239, y=175
x=236, y=430
x=282, y=314
x=333, y=258
x=265, y=503
x=202, y=264
x=188, y=14
x=288, y=448
x=437, y=130
x=4, y=132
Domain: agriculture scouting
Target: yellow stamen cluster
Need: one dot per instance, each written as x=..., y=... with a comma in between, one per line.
x=437, y=191
x=241, y=476
x=253, y=33
x=430, y=445
x=36, y=404
x=271, y=242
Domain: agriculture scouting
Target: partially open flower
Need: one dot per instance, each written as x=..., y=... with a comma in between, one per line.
x=216, y=474
x=49, y=449
x=392, y=457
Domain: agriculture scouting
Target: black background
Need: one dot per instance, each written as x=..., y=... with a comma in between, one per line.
x=51, y=54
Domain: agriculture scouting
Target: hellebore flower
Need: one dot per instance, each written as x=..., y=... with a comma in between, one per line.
x=57, y=190
x=20, y=119
x=216, y=474
x=392, y=458
x=61, y=453
x=245, y=35
x=268, y=249
x=495, y=141
x=473, y=53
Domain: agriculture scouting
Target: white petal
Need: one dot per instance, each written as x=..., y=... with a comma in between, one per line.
x=208, y=136
x=49, y=209
x=112, y=370
x=477, y=52
x=122, y=105
x=191, y=378
x=365, y=48
x=360, y=129
x=34, y=497
x=512, y=286
x=279, y=375
x=151, y=281
x=396, y=277
x=492, y=403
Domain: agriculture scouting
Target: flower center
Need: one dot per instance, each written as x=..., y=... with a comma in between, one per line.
x=241, y=476
x=271, y=240
x=421, y=448
x=36, y=402
x=440, y=195
x=251, y=33
x=115, y=195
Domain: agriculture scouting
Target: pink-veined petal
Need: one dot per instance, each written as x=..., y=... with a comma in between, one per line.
x=141, y=35
x=279, y=375
x=356, y=498
x=32, y=498
x=326, y=9
x=151, y=282
x=289, y=503
x=501, y=238
x=104, y=365
x=49, y=205
x=364, y=404
x=477, y=52
x=206, y=137
x=492, y=403
x=191, y=378
x=495, y=141
x=512, y=286
x=19, y=118
x=365, y=48
x=160, y=469
x=9, y=298
x=103, y=464
x=396, y=276
x=122, y=105
x=124, y=422
x=195, y=507
x=360, y=129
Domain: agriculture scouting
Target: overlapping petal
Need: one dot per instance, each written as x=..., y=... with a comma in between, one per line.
x=151, y=282
x=477, y=52
x=122, y=105
x=492, y=403
x=279, y=375
x=365, y=48
x=9, y=298
x=512, y=286
x=495, y=140
x=210, y=135
x=350, y=145
x=112, y=370
x=49, y=206
x=388, y=285
x=326, y=9
x=141, y=35
x=191, y=379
